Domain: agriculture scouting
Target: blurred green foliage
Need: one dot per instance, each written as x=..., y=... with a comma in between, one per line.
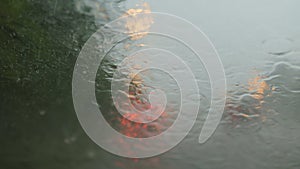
x=40, y=41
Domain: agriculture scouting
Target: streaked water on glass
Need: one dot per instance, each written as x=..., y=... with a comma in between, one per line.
x=258, y=43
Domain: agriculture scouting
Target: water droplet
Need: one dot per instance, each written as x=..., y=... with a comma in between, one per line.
x=67, y=141
x=91, y=154
x=42, y=112
x=278, y=46
x=70, y=140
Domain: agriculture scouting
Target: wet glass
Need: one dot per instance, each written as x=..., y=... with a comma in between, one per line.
x=258, y=44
